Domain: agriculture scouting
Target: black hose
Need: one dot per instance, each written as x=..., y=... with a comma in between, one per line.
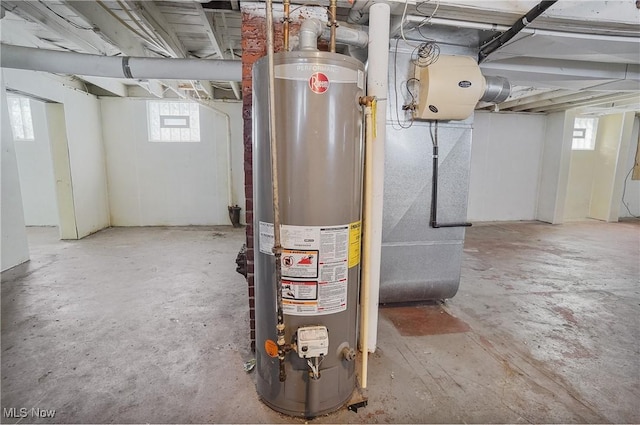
x=434, y=190
x=503, y=38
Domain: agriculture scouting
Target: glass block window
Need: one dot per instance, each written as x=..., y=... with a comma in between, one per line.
x=173, y=121
x=584, y=133
x=20, y=118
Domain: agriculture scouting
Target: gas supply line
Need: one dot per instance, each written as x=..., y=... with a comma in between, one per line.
x=277, y=246
x=369, y=104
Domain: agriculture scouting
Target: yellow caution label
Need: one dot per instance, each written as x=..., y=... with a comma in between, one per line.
x=355, y=234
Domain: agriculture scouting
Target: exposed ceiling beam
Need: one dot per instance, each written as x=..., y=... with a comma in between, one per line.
x=149, y=13
x=116, y=31
x=612, y=108
x=14, y=31
x=111, y=85
x=152, y=16
x=563, y=99
x=533, y=98
x=85, y=39
x=108, y=26
x=593, y=102
x=214, y=42
x=174, y=87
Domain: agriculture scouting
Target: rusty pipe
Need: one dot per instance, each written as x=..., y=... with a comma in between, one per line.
x=285, y=25
x=333, y=23
x=277, y=247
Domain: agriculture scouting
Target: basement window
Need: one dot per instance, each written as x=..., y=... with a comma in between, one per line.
x=173, y=121
x=584, y=134
x=20, y=118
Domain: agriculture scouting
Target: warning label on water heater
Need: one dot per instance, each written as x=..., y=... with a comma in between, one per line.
x=315, y=265
x=300, y=263
x=315, y=269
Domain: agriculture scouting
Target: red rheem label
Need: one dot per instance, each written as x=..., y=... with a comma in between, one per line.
x=319, y=83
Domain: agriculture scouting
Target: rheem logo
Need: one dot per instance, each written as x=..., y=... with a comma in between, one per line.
x=319, y=83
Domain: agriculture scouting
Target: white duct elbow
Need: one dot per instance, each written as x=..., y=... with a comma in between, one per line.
x=350, y=36
x=310, y=30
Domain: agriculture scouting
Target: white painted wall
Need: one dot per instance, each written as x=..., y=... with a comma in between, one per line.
x=14, y=249
x=87, y=159
x=57, y=129
x=506, y=155
x=554, y=171
x=153, y=183
x=612, y=146
x=36, y=172
x=85, y=147
x=632, y=187
x=626, y=133
x=579, y=185
x=234, y=110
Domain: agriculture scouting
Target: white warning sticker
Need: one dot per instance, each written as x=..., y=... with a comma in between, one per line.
x=315, y=268
x=297, y=263
x=300, y=237
x=300, y=291
x=266, y=238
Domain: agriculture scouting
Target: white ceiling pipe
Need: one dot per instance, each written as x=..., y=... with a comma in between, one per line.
x=502, y=28
x=377, y=85
x=350, y=36
x=119, y=66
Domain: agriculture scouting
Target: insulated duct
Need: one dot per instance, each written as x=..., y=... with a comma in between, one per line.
x=59, y=62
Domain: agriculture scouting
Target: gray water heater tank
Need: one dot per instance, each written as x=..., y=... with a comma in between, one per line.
x=320, y=164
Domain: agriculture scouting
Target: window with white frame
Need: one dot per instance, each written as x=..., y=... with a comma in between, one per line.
x=20, y=118
x=584, y=133
x=171, y=121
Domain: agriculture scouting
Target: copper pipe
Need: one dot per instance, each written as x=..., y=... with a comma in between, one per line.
x=333, y=23
x=285, y=25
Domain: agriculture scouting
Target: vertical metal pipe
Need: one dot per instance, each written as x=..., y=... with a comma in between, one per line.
x=277, y=247
x=285, y=25
x=333, y=21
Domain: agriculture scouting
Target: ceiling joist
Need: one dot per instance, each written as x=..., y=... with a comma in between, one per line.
x=85, y=38
x=209, y=29
x=149, y=13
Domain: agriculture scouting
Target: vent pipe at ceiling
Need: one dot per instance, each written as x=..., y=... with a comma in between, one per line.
x=313, y=28
x=60, y=62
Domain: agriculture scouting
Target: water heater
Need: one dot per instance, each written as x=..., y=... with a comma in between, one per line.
x=320, y=163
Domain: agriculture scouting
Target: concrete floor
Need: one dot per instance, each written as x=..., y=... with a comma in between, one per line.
x=136, y=325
